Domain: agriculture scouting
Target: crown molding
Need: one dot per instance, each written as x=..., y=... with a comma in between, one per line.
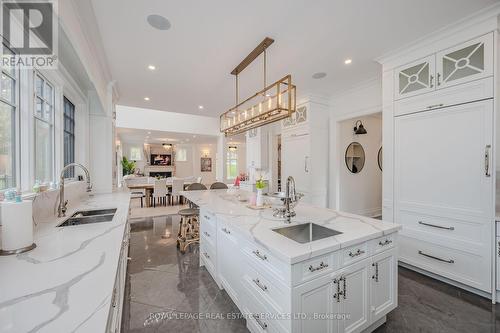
x=474, y=25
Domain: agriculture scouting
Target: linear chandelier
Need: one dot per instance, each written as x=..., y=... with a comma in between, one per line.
x=273, y=103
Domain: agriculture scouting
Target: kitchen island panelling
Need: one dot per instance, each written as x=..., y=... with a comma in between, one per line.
x=275, y=280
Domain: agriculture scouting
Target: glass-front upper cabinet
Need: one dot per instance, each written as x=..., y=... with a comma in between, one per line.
x=465, y=62
x=415, y=78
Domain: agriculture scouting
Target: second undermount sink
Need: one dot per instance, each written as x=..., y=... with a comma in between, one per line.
x=89, y=216
x=307, y=232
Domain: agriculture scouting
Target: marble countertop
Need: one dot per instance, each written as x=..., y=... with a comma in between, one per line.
x=257, y=225
x=65, y=284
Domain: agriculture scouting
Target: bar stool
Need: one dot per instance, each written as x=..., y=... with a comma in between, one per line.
x=189, y=226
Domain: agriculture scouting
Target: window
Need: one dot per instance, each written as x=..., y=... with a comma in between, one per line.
x=8, y=114
x=181, y=155
x=135, y=154
x=44, y=130
x=69, y=136
x=232, y=163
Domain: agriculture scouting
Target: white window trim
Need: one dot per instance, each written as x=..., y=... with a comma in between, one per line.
x=231, y=159
x=55, y=110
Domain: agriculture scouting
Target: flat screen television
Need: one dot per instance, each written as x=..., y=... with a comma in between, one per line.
x=161, y=159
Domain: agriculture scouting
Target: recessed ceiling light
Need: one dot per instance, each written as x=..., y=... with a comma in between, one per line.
x=158, y=22
x=348, y=61
x=152, y=67
x=319, y=75
x=200, y=107
x=146, y=98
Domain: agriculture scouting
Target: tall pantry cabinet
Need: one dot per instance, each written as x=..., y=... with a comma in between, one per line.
x=439, y=102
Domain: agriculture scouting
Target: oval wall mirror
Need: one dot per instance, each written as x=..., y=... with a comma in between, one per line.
x=355, y=157
x=379, y=158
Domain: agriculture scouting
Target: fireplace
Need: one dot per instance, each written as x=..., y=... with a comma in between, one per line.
x=160, y=174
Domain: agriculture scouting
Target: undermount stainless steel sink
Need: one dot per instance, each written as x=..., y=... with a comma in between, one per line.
x=94, y=212
x=89, y=216
x=307, y=232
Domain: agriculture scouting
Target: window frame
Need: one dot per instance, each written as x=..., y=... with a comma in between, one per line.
x=230, y=158
x=138, y=151
x=72, y=120
x=15, y=144
x=38, y=74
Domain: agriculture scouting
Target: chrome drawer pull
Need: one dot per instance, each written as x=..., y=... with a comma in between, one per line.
x=226, y=231
x=355, y=254
x=206, y=255
x=260, y=285
x=449, y=261
x=435, y=106
x=321, y=266
x=208, y=218
x=375, y=277
x=436, y=226
x=344, y=292
x=487, y=161
x=387, y=242
x=261, y=323
x=338, y=293
x=206, y=233
x=260, y=256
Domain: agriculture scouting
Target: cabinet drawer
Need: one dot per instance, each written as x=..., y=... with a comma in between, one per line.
x=468, y=92
x=458, y=233
x=207, y=217
x=315, y=267
x=208, y=233
x=207, y=255
x=354, y=253
x=383, y=243
x=263, y=261
x=467, y=268
x=267, y=289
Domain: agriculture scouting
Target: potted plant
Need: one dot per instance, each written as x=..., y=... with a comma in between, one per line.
x=128, y=166
x=259, y=185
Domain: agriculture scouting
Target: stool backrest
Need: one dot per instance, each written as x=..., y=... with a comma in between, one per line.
x=218, y=186
x=198, y=180
x=196, y=187
x=160, y=188
x=177, y=186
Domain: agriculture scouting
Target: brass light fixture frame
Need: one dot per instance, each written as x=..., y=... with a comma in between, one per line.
x=231, y=122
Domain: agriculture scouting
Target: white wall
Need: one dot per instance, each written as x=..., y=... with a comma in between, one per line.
x=132, y=117
x=365, y=99
x=361, y=193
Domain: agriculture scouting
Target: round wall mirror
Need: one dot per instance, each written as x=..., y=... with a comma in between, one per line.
x=379, y=158
x=355, y=157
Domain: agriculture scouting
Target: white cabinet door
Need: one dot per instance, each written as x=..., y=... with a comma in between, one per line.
x=355, y=297
x=296, y=160
x=383, y=287
x=443, y=162
x=318, y=297
x=415, y=78
x=498, y=261
x=228, y=257
x=465, y=62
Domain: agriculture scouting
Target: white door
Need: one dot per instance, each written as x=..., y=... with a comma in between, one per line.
x=415, y=78
x=443, y=162
x=355, y=297
x=228, y=257
x=383, y=287
x=465, y=62
x=296, y=160
x=317, y=300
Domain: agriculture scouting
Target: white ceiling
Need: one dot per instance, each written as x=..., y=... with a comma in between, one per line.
x=140, y=136
x=209, y=38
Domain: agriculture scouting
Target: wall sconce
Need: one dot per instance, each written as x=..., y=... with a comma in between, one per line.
x=359, y=129
x=232, y=148
x=167, y=146
x=206, y=153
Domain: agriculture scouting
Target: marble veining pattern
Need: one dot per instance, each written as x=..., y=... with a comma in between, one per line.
x=257, y=225
x=65, y=284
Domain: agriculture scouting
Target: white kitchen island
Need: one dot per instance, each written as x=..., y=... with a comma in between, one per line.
x=343, y=283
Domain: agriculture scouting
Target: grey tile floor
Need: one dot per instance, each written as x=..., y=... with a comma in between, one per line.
x=166, y=289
